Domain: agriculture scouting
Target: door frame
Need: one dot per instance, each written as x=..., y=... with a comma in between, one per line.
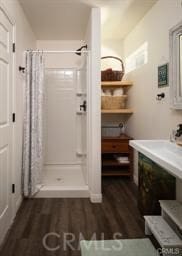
x=13, y=163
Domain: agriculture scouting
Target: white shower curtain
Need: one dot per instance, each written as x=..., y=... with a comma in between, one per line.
x=33, y=124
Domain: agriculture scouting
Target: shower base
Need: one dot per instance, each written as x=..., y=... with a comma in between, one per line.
x=63, y=182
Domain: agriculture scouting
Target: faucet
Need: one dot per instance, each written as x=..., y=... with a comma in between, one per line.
x=83, y=106
x=176, y=135
x=179, y=131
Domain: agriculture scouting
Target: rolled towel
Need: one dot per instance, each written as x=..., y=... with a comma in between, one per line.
x=102, y=93
x=118, y=92
x=108, y=92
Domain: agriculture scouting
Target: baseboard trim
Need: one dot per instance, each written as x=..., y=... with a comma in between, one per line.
x=18, y=204
x=135, y=179
x=15, y=210
x=96, y=198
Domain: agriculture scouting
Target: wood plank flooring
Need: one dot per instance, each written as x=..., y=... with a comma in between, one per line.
x=117, y=214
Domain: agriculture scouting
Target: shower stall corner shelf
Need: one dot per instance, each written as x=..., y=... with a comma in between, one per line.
x=80, y=154
x=81, y=113
x=81, y=94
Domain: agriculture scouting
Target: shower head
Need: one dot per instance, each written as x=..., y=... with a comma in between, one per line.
x=78, y=51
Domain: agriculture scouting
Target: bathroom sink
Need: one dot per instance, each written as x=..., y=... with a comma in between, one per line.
x=165, y=153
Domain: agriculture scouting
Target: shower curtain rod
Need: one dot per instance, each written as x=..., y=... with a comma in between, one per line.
x=35, y=51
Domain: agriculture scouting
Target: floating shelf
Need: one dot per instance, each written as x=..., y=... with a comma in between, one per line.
x=161, y=230
x=173, y=209
x=116, y=84
x=117, y=111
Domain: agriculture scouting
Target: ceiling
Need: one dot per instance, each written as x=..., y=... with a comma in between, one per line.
x=119, y=19
x=67, y=19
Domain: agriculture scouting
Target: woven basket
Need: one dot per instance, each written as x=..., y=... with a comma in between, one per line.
x=112, y=75
x=113, y=102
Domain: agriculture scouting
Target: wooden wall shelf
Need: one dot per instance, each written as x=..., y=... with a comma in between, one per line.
x=114, y=173
x=116, y=84
x=113, y=162
x=116, y=149
x=117, y=111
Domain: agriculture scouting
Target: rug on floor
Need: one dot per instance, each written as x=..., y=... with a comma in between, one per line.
x=125, y=247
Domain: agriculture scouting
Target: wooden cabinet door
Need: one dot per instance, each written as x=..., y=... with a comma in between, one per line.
x=155, y=184
x=115, y=146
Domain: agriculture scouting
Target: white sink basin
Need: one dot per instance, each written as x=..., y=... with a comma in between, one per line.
x=165, y=153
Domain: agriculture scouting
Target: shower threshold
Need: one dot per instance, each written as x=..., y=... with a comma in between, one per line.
x=66, y=181
x=48, y=191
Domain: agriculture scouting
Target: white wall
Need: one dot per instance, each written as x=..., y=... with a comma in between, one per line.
x=24, y=40
x=152, y=119
x=112, y=47
x=63, y=60
x=93, y=39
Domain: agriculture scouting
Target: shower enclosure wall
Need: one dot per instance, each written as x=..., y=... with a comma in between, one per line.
x=65, y=172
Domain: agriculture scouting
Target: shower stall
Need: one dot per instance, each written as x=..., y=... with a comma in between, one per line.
x=55, y=162
x=66, y=82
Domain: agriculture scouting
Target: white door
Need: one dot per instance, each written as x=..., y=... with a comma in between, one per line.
x=6, y=91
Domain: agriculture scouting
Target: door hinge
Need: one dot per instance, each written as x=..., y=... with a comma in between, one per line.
x=13, y=188
x=14, y=47
x=13, y=117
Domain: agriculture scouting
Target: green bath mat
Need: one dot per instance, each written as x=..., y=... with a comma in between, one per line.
x=125, y=247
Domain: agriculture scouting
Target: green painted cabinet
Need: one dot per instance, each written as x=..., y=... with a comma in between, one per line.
x=155, y=184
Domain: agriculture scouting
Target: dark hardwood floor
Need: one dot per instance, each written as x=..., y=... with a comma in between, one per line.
x=37, y=217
